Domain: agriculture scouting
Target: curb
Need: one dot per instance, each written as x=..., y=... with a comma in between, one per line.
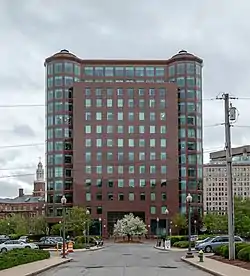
x=49, y=267
x=75, y=250
x=162, y=249
x=212, y=272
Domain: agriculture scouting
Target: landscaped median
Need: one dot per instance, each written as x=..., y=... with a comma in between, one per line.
x=28, y=262
x=21, y=256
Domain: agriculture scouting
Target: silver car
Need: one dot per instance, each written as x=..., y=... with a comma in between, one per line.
x=16, y=244
x=209, y=245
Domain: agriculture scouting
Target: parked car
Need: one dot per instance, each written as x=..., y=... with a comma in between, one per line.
x=209, y=245
x=24, y=239
x=14, y=244
x=202, y=241
x=47, y=242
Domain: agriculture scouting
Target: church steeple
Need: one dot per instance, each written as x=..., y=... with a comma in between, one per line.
x=40, y=171
x=39, y=183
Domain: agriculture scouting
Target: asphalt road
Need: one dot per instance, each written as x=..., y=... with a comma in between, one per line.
x=126, y=260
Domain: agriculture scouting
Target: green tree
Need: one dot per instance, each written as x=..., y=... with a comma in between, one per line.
x=56, y=229
x=17, y=224
x=215, y=223
x=180, y=222
x=77, y=219
x=38, y=225
x=242, y=216
x=4, y=227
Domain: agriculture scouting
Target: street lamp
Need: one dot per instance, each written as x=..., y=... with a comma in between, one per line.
x=60, y=228
x=195, y=230
x=157, y=230
x=87, y=213
x=189, y=200
x=100, y=225
x=64, y=201
x=166, y=213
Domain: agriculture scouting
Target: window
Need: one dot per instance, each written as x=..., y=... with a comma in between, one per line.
x=120, y=183
x=159, y=71
x=152, y=196
x=89, y=71
x=98, y=196
x=109, y=71
x=131, y=197
x=149, y=71
x=68, y=67
x=171, y=71
x=88, y=196
x=139, y=71
x=87, y=129
x=99, y=210
x=153, y=210
x=120, y=197
x=163, y=196
x=142, y=196
x=163, y=209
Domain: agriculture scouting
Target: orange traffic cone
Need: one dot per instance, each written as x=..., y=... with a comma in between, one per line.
x=70, y=247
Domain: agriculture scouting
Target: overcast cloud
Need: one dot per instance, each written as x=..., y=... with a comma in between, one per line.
x=31, y=30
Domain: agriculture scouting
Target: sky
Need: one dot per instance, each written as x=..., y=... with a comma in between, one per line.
x=31, y=30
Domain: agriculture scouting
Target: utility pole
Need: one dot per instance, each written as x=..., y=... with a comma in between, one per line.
x=230, y=115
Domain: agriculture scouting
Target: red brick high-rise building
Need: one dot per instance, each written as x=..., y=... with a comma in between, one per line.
x=124, y=136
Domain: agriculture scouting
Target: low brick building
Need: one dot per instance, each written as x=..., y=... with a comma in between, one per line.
x=28, y=205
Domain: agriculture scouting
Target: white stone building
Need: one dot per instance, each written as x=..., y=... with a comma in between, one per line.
x=215, y=179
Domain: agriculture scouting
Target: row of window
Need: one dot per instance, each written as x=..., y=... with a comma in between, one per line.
x=64, y=67
x=152, y=169
x=130, y=92
x=61, y=81
x=124, y=71
x=99, y=210
x=121, y=197
x=56, y=81
x=59, y=185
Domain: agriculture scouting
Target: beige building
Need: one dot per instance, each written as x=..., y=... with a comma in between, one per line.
x=215, y=179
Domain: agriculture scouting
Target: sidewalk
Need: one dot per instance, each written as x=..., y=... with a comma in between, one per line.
x=173, y=249
x=217, y=268
x=94, y=248
x=34, y=268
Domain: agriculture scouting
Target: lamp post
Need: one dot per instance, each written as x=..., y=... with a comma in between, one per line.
x=157, y=230
x=195, y=228
x=64, y=201
x=167, y=213
x=189, y=201
x=100, y=225
x=87, y=213
x=60, y=228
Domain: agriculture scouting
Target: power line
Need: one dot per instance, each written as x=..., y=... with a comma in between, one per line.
x=16, y=175
x=24, y=145
x=22, y=105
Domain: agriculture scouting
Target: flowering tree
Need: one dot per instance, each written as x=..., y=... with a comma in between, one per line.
x=130, y=226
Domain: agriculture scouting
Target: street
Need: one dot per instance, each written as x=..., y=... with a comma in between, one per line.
x=126, y=260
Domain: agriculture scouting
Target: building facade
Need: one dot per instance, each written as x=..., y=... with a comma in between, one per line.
x=29, y=205
x=215, y=179
x=126, y=136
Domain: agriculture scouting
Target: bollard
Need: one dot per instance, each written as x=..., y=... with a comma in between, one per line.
x=201, y=256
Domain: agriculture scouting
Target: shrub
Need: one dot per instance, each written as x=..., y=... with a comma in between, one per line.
x=218, y=250
x=238, y=247
x=182, y=244
x=175, y=239
x=21, y=256
x=244, y=254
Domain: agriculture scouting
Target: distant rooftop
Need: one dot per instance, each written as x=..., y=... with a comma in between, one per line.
x=22, y=199
x=243, y=151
